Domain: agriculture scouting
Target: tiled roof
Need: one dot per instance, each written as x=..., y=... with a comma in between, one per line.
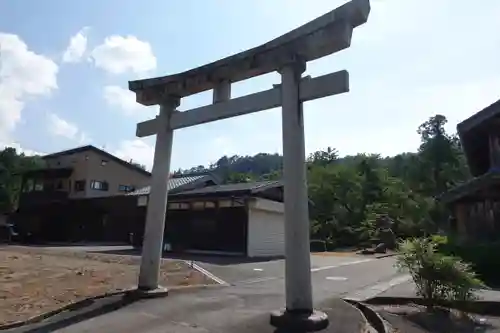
x=100, y=152
x=173, y=183
x=254, y=187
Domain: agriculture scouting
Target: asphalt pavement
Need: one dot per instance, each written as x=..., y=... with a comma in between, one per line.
x=254, y=289
x=242, y=306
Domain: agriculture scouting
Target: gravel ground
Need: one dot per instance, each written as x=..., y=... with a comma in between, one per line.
x=34, y=281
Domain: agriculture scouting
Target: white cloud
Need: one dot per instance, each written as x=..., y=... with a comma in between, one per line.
x=77, y=47
x=20, y=149
x=123, y=99
x=23, y=74
x=136, y=150
x=119, y=55
x=60, y=127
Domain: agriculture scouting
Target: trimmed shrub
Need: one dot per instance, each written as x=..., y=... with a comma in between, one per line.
x=437, y=277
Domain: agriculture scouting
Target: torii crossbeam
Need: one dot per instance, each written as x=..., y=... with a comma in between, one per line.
x=287, y=55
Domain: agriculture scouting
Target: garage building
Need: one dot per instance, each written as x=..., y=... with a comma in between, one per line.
x=245, y=219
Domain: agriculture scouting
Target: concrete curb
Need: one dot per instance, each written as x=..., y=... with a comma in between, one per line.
x=372, y=318
x=203, y=271
x=128, y=296
x=377, y=256
x=486, y=308
x=386, y=255
x=68, y=307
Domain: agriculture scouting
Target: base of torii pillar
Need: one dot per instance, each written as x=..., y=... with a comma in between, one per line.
x=300, y=321
x=298, y=313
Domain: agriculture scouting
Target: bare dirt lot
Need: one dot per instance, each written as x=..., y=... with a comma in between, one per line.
x=34, y=281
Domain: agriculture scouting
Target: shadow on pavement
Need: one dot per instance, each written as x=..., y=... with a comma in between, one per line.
x=222, y=260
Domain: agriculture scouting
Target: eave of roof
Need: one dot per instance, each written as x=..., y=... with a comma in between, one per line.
x=100, y=152
x=175, y=183
x=238, y=188
x=470, y=187
x=474, y=133
x=479, y=118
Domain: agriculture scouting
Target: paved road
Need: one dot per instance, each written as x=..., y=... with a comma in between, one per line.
x=255, y=289
x=233, y=308
x=252, y=272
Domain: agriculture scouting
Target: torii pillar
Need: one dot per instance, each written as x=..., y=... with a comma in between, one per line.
x=287, y=55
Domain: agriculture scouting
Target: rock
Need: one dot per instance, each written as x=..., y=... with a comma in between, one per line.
x=380, y=248
x=388, y=238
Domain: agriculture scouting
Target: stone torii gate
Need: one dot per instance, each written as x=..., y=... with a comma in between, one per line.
x=287, y=55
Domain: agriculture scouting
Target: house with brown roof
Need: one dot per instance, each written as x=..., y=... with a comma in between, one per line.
x=475, y=205
x=83, y=172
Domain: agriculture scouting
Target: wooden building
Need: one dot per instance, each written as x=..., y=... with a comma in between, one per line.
x=475, y=205
x=44, y=217
x=244, y=219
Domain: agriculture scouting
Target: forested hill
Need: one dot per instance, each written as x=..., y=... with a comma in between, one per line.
x=348, y=193
x=438, y=150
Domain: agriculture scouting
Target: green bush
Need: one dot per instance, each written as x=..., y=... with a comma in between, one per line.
x=483, y=258
x=437, y=277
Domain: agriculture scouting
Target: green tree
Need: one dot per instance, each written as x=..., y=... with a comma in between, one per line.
x=12, y=165
x=323, y=157
x=235, y=178
x=440, y=154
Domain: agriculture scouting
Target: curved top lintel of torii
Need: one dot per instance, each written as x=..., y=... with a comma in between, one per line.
x=323, y=36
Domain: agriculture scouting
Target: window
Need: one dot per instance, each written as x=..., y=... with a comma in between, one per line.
x=198, y=205
x=173, y=205
x=178, y=205
x=38, y=185
x=79, y=185
x=86, y=157
x=99, y=185
x=125, y=188
x=104, y=162
x=59, y=185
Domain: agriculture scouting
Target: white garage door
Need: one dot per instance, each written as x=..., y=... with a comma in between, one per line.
x=266, y=229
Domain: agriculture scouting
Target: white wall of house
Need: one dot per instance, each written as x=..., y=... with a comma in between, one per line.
x=266, y=228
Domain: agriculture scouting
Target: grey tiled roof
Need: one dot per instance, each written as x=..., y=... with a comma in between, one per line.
x=173, y=184
x=239, y=187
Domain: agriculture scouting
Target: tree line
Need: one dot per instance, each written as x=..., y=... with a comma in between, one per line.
x=347, y=193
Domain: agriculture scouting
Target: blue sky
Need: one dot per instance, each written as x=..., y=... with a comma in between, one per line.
x=64, y=67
